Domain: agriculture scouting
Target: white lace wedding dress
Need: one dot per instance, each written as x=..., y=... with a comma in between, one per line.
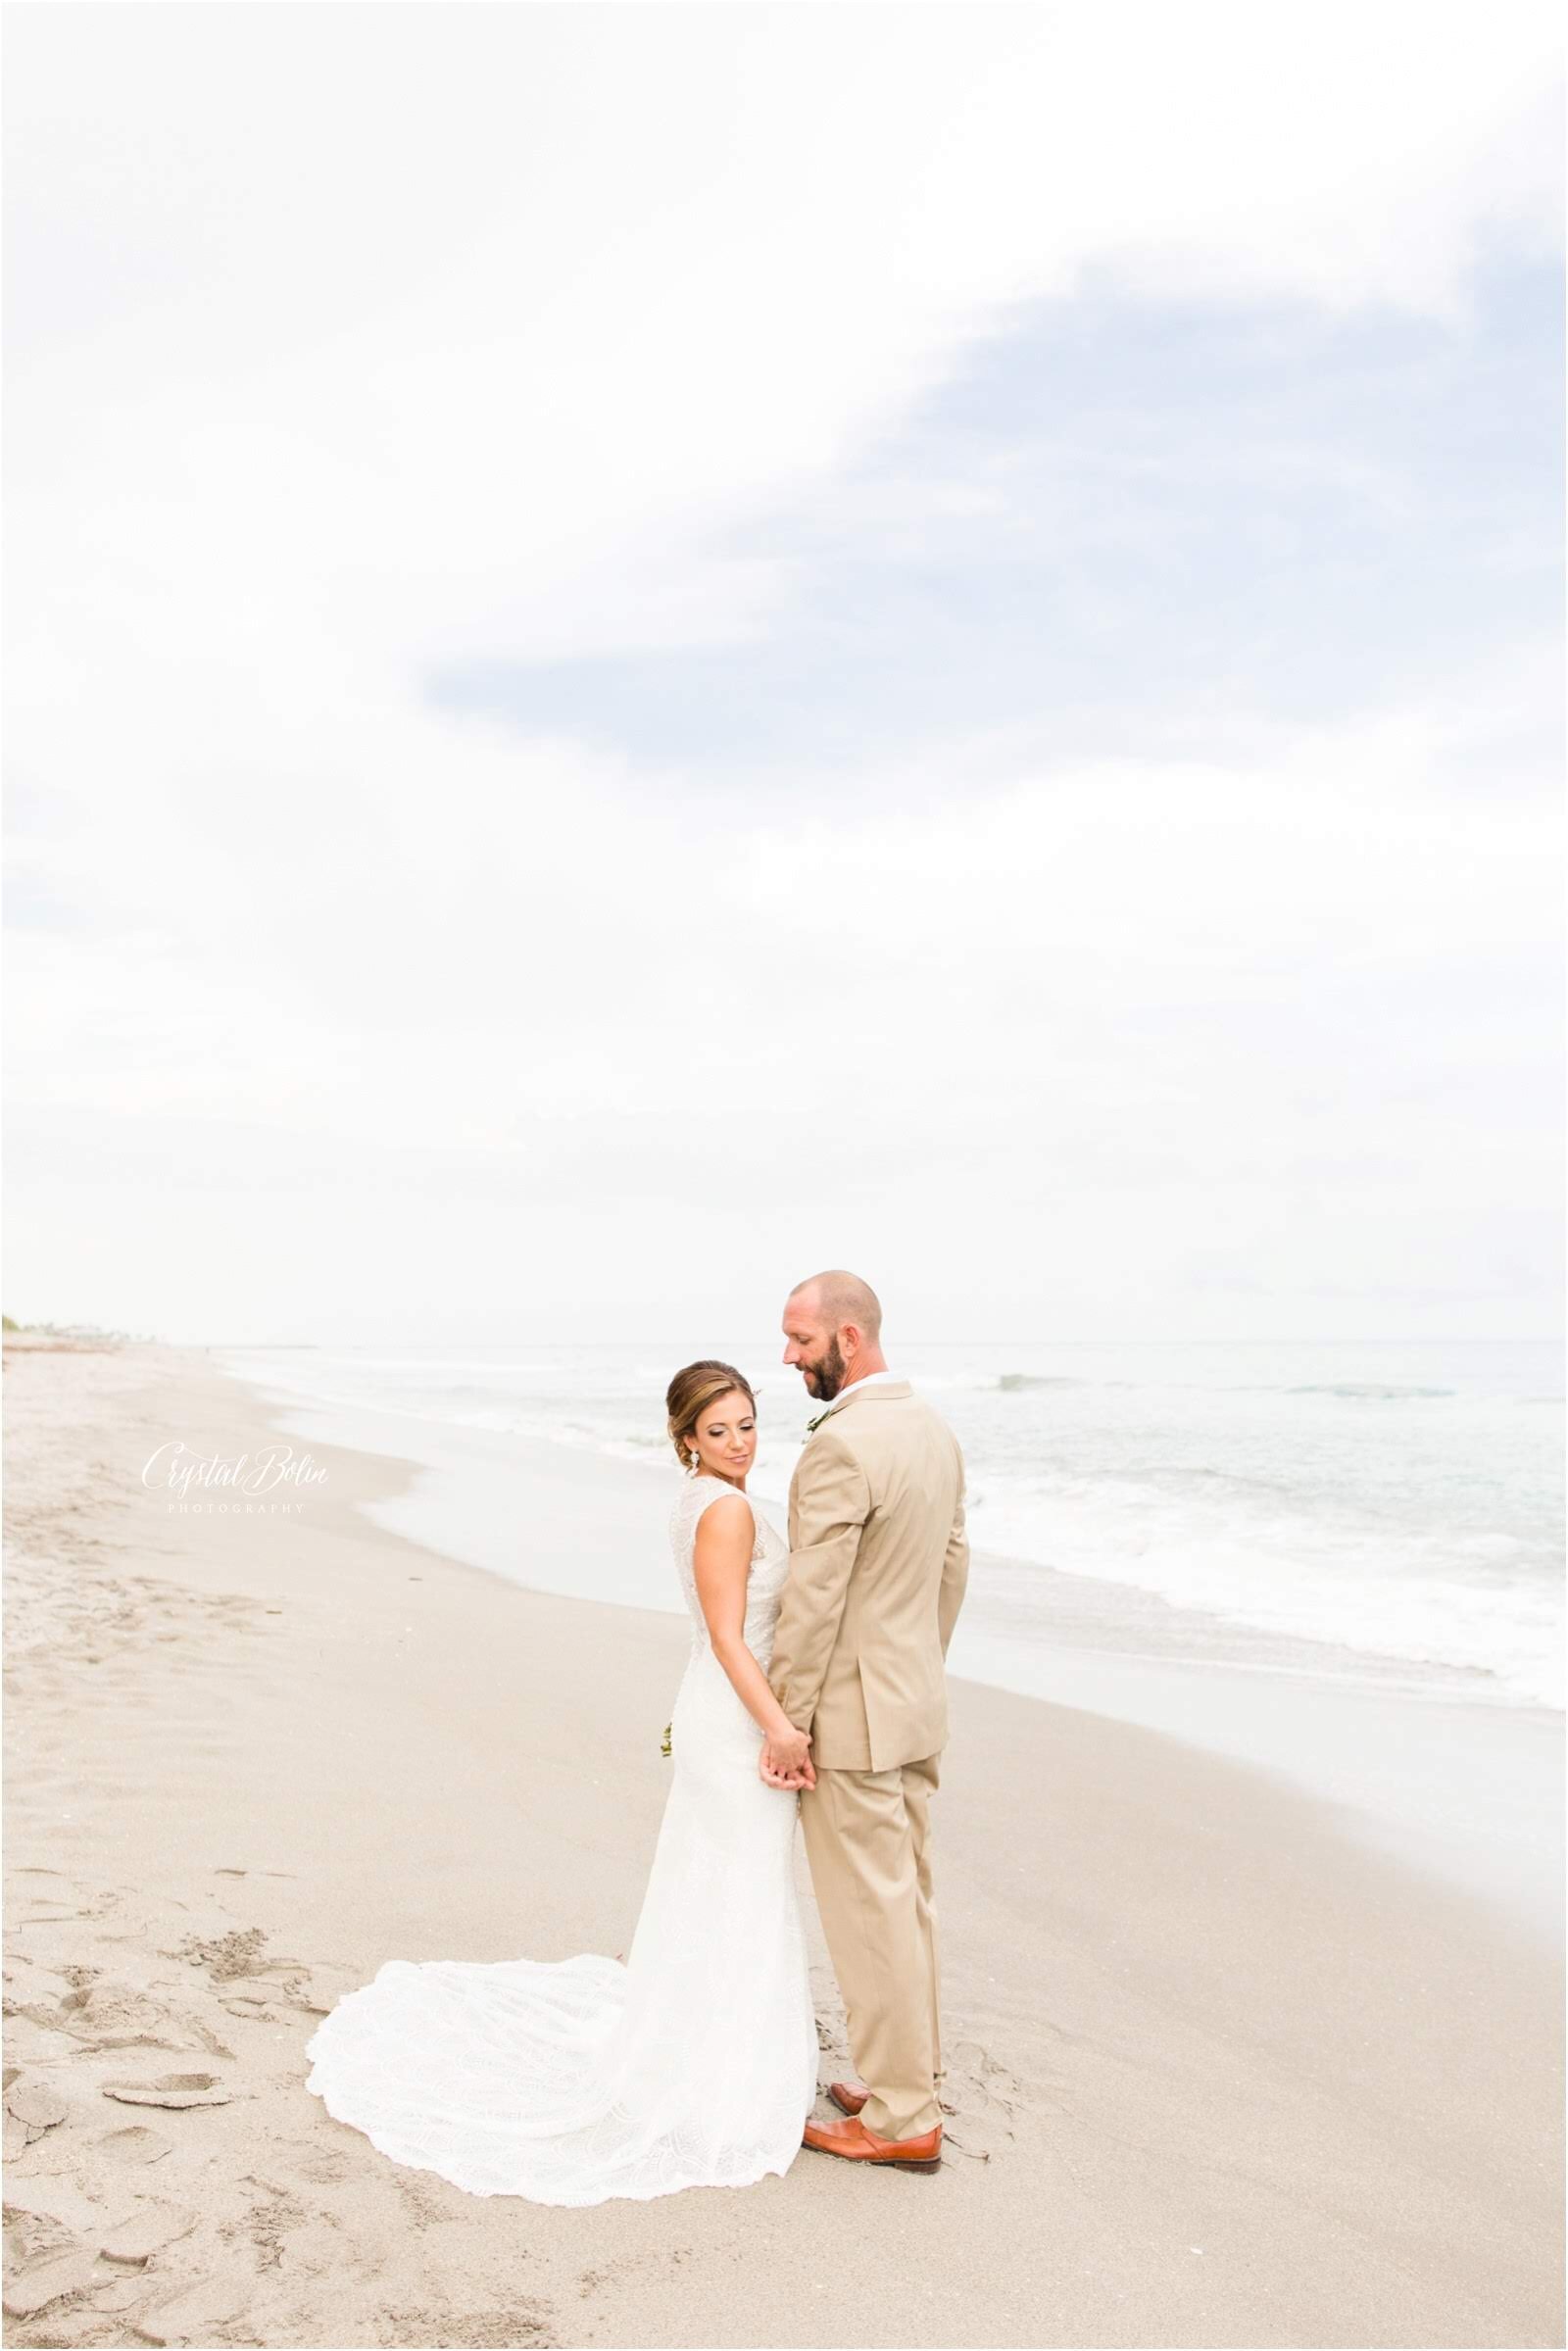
x=572, y=2081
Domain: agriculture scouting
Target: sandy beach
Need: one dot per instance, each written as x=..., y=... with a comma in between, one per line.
x=1219, y=2073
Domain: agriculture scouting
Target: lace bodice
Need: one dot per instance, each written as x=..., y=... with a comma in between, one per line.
x=771, y=1561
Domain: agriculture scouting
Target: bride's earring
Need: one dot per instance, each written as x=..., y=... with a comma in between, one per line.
x=697, y=1463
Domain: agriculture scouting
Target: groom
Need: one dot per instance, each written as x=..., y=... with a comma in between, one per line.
x=878, y=1560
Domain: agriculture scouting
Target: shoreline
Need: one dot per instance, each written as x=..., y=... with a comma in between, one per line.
x=1221, y=2074
x=1427, y=1772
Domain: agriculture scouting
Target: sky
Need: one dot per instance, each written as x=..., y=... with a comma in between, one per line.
x=653, y=646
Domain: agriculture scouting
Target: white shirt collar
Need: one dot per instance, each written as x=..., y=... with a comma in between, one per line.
x=870, y=1380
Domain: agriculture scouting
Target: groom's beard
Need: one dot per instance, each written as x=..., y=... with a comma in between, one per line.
x=825, y=1377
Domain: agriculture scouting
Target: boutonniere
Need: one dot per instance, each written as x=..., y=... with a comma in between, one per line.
x=813, y=1426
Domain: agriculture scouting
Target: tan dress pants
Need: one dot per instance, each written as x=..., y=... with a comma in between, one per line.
x=867, y=1839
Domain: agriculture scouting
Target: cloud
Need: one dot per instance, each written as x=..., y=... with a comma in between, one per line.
x=353, y=349
x=1125, y=518
x=1069, y=1034
x=454, y=331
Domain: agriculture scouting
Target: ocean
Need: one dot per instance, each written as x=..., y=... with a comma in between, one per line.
x=1376, y=1511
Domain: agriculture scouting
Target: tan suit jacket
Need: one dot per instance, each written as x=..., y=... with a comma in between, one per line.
x=878, y=1562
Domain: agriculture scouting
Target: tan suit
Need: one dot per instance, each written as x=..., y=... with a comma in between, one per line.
x=878, y=1562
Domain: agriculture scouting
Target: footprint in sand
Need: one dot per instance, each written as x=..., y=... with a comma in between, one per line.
x=34, y=2104
x=103, y=2014
x=31, y=2108
x=37, y=2283
x=521, y=2322
x=300, y=2158
x=252, y=1984
x=240, y=1952
x=982, y=2098
x=135, y=2143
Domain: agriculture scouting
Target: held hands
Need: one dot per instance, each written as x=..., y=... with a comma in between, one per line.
x=786, y=1759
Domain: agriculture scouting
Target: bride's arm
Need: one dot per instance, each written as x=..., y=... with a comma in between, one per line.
x=721, y=1563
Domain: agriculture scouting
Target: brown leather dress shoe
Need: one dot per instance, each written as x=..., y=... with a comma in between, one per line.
x=848, y=2096
x=860, y=2145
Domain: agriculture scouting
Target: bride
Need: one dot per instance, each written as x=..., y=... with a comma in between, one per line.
x=694, y=2064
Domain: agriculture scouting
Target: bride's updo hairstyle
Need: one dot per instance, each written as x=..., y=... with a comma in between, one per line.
x=688, y=1394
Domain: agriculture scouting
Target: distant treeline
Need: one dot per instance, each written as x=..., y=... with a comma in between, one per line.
x=62, y=1330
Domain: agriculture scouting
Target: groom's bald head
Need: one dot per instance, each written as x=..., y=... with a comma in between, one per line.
x=832, y=1331
x=836, y=1298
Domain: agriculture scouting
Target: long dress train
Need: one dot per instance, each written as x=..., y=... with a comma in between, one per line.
x=569, y=2081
